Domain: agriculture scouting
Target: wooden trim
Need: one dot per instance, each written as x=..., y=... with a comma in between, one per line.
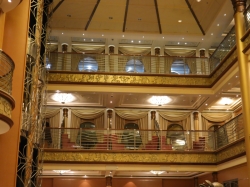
x=8, y=97
x=92, y=14
x=158, y=17
x=56, y=7
x=125, y=16
x=195, y=17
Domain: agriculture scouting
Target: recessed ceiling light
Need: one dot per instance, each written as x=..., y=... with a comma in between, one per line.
x=206, y=104
x=178, y=42
x=122, y=35
x=82, y=34
x=198, y=1
x=179, y=20
x=139, y=41
x=202, y=39
x=212, y=34
x=83, y=39
x=132, y=41
x=62, y=32
x=163, y=37
x=225, y=14
x=236, y=76
x=237, y=95
x=92, y=40
x=183, y=38
x=102, y=34
x=9, y=1
x=142, y=36
x=218, y=24
x=185, y=43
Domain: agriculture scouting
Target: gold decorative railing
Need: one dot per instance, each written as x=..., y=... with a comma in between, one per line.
x=7, y=103
x=6, y=72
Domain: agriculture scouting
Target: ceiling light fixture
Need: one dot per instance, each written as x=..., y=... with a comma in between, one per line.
x=63, y=97
x=159, y=100
x=179, y=20
x=61, y=171
x=225, y=101
x=157, y=172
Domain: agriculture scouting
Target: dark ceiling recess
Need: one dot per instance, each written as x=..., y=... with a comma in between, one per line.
x=125, y=16
x=92, y=14
x=56, y=7
x=195, y=17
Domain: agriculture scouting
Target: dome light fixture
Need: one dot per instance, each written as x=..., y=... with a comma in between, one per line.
x=157, y=172
x=159, y=100
x=225, y=101
x=63, y=97
x=61, y=171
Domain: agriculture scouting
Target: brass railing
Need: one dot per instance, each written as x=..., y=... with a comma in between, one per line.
x=134, y=139
x=6, y=72
x=126, y=64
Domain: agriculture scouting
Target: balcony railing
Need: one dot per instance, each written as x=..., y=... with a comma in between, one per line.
x=127, y=64
x=134, y=139
x=6, y=72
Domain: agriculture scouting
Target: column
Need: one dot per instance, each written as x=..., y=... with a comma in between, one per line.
x=196, y=184
x=108, y=181
x=215, y=176
x=109, y=112
x=13, y=41
x=239, y=7
x=65, y=117
x=196, y=124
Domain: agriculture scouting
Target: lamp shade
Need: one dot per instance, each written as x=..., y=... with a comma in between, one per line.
x=8, y=5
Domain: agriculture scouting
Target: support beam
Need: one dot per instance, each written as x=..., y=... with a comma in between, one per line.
x=92, y=14
x=195, y=17
x=125, y=17
x=158, y=17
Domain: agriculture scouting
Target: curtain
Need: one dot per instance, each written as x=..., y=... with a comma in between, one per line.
x=168, y=63
x=134, y=50
x=172, y=116
x=53, y=118
x=181, y=52
x=75, y=59
x=79, y=116
x=88, y=49
x=208, y=117
x=191, y=62
x=51, y=47
x=139, y=117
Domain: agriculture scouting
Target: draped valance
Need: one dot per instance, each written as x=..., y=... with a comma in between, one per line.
x=134, y=50
x=181, y=52
x=49, y=113
x=174, y=116
x=132, y=114
x=88, y=113
x=88, y=49
x=217, y=117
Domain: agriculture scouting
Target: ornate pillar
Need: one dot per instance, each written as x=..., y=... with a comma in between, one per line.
x=196, y=184
x=65, y=117
x=202, y=52
x=196, y=124
x=108, y=181
x=215, y=176
x=110, y=112
x=157, y=51
x=239, y=7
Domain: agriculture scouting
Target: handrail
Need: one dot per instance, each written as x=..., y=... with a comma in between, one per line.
x=6, y=72
x=140, y=139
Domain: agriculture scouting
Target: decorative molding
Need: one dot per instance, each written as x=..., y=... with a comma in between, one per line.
x=231, y=152
x=203, y=157
x=124, y=157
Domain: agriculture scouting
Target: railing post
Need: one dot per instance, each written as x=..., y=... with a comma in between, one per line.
x=134, y=137
x=160, y=139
